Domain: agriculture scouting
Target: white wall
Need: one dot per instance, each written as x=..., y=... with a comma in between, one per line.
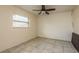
x=75, y=15
x=10, y=36
x=56, y=26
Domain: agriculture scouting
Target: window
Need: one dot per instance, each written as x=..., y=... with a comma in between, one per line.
x=20, y=21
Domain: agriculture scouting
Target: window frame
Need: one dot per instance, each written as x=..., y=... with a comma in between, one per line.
x=19, y=21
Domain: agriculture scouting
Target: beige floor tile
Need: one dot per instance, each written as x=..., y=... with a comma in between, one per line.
x=58, y=49
x=69, y=50
x=60, y=43
x=43, y=45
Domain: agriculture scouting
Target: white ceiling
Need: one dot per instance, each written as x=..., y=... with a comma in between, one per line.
x=59, y=8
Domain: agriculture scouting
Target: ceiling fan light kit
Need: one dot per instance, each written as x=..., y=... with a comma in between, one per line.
x=44, y=10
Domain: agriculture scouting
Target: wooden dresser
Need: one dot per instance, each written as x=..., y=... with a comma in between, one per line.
x=75, y=40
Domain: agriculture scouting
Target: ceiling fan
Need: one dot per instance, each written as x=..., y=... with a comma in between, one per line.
x=43, y=9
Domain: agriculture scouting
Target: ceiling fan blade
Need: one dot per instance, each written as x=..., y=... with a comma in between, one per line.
x=46, y=12
x=40, y=12
x=36, y=10
x=51, y=9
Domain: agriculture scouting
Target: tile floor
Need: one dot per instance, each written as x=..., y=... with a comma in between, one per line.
x=43, y=45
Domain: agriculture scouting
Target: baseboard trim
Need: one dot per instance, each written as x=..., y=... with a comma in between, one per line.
x=53, y=39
